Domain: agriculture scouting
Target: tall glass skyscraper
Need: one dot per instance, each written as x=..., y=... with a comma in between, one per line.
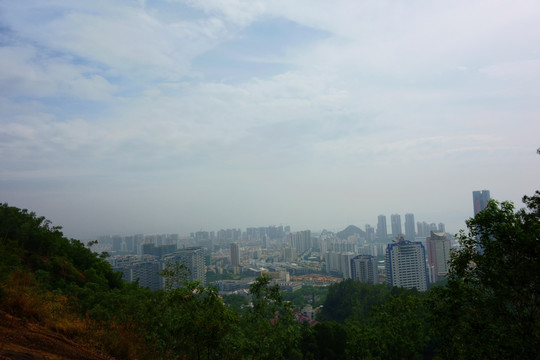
x=480, y=200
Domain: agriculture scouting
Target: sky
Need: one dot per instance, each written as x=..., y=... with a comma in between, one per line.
x=124, y=117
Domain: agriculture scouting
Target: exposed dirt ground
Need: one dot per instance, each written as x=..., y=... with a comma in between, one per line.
x=20, y=340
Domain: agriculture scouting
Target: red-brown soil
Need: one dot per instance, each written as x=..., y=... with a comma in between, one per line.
x=22, y=340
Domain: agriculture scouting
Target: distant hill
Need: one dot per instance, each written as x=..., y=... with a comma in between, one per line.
x=350, y=230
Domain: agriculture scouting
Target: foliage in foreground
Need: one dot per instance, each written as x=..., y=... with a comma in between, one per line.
x=491, y=306
x=488, y=309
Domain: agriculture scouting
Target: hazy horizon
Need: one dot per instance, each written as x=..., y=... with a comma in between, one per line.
x=172, y=117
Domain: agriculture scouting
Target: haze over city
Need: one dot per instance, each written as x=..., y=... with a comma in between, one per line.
x=143, y=117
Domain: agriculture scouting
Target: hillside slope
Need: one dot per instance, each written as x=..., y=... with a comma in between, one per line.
x=24, y=340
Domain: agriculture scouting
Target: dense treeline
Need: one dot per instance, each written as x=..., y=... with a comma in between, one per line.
x=375, y=321
x=488, y=309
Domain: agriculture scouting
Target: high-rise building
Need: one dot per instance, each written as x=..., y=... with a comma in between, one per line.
x=339, y=263
x=229, y=234
x=157, y=251
x=117, y=243
x=301, y=241
x=382, y=232
x=146, y=273
x=441, y=228
x=345, y=264
x=409, y=227
x=193, y=259
x=421, y=229
x=480, y=200
x=141, y=268
x=235, y=255
x=332, y=260
x=396, y=225
x=288, y=254
x=406, y=265
x=438, y=248
x=370, y=234
x=364, y=269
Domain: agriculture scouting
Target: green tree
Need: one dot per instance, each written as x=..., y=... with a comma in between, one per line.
x=188, y=320
x=175, y=274
x=491, y=306
x=270, y=330
x=307, y=294
x=331, y=339
x=401, y=328
x=353, y=300
x=235, y=302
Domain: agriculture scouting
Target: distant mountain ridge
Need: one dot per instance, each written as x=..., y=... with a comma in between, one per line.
x=349, y=231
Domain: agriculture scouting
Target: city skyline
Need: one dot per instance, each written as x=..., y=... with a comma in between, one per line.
x=237, y=232
x=147, y=117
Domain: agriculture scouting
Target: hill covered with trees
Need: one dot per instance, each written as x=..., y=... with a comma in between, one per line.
x=350, y=231
x=489, y=308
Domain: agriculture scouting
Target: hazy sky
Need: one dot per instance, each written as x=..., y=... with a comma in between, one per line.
x=175, y=116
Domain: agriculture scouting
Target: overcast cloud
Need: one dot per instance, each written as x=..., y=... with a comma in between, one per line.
x=175, y=116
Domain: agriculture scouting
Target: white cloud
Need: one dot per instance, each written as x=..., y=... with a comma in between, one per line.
x=382, y=100
x=125, y=41
x=524, y=70
x=28, y=73
x=238, y=12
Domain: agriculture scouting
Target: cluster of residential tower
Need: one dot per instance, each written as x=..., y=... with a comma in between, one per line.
x=413, y=258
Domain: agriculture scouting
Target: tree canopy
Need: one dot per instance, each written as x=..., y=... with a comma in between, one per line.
x=491, y=305
x=489, y=308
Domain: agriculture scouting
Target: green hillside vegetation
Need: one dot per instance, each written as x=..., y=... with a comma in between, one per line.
x=489, y=307
x=350, y=231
